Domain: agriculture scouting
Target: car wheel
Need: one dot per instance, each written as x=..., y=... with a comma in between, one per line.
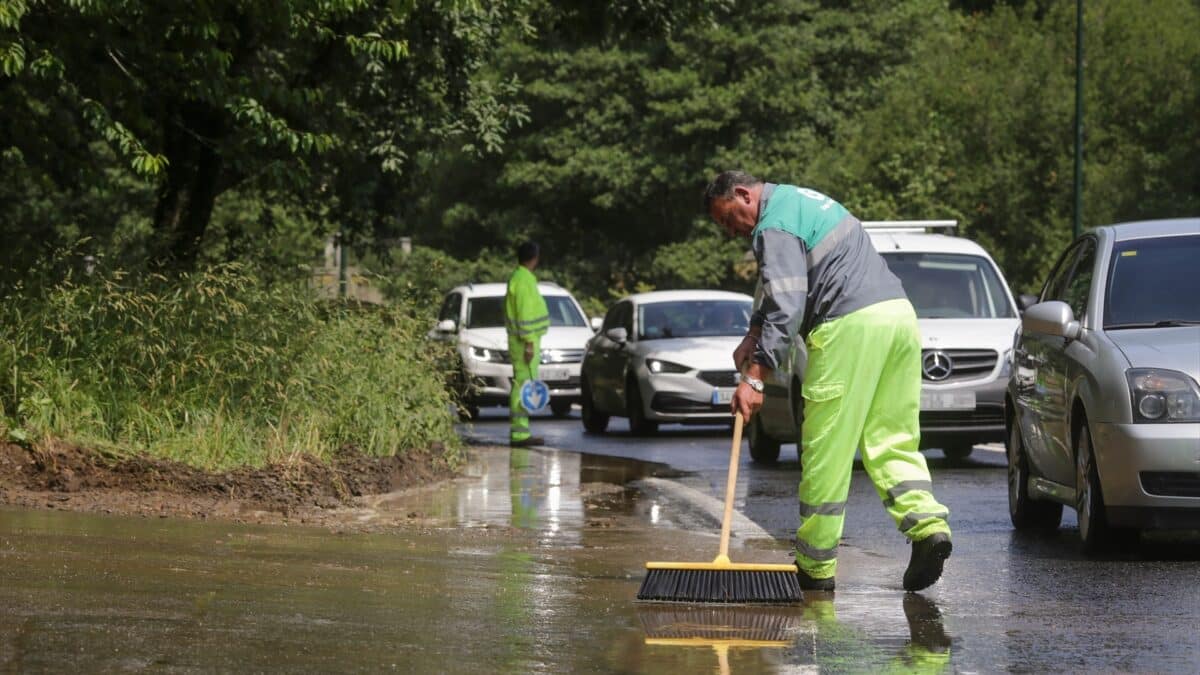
x=638, y=424
x=594, y=421
x=763, y=448
x=1094, y=531
x=1026, y=512
x=560, y=408
x=958, y=451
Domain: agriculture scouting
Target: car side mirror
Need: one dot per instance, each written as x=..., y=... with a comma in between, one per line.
x=447, y=326
x=595, y=323
x=1051, y=318
x=617, y=335
x=1026, y=300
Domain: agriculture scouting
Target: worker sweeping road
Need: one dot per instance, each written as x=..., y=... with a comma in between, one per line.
x=526, y=319
x=823, y=282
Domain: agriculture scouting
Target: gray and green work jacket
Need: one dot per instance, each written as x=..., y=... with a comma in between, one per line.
x=816, y=263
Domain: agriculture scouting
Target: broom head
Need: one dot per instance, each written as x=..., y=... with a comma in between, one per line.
x=720, y=581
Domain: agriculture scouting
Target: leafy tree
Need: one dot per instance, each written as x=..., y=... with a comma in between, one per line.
x=320, y=102
x=979, y=126
x=625, y=133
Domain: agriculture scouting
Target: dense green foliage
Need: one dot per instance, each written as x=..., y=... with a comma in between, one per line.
x=215, y=368
x=128, y=120
x=900, y=109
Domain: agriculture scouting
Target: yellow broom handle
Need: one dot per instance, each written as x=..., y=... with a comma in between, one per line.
x=731, y=485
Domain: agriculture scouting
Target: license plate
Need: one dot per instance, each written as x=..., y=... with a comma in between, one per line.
x=553, y=374
x=947, y=400
x=720, y=396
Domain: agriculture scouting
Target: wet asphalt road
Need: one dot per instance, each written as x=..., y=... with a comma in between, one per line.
x=1015, y=602
x=531, y=561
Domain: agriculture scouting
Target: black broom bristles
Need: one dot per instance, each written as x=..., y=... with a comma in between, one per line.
x=727, y=586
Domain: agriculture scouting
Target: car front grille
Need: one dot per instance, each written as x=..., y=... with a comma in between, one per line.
x=562, y=356
x=676, y=404
x=983, y=415
x=720, y=378
x=964, y=364
x=1171, y=483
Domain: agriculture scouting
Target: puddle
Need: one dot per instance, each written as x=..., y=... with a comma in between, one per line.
x=530, y=563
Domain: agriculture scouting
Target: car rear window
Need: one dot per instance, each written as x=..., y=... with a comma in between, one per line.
x=488, y=312
x=1153, y=282
x=951, y=285
x=693, y=318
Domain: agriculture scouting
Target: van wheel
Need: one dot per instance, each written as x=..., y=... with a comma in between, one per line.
x=1025, y=512
x=1094, y=531
x=638, y=424
x=594, y=421
x=763, y=448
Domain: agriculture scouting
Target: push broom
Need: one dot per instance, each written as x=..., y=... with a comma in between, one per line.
x=722, y=580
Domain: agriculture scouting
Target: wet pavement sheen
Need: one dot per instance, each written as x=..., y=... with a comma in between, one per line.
x=531, y=563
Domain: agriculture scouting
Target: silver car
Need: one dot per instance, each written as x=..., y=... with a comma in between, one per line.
x=1103, y=406
x=664, y=357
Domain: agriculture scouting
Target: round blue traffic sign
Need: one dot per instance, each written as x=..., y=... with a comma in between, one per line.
x=534, y=395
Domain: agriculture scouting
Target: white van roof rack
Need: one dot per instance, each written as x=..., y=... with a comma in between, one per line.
x=914, y=226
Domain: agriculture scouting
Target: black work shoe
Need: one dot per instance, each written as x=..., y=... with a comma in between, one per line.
x=808, y=583
x=925, y=565
x=526, y=442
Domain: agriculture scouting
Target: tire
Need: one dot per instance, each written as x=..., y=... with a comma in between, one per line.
x=763, y=448
x=594, y=421
x=1095, y=533
x=958, y=451
x=638, y=424
x=561, y=408
x=1026, y=512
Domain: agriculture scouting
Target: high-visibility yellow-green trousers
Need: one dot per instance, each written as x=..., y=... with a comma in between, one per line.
x=862, y=389
x=523, y=372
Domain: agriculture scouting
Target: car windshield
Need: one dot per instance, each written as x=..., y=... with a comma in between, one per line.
x=951, y=285
x=1152, y=282
x=693, y=318
x=488, y=312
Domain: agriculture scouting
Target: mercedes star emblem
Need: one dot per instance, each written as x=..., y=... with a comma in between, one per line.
x=937, y=365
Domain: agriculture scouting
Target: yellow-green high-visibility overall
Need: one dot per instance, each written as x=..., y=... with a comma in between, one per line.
x=862, y=388
x=527, y=319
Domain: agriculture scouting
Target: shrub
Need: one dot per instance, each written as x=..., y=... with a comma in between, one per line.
x=216, y=368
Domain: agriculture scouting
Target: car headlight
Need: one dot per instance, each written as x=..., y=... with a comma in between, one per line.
x=489, y=355
x=1160, y=395
x=657, y=366
x=1006, y=364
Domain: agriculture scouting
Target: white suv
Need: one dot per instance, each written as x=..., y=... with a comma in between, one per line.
x=473, y=315
x=967, y=318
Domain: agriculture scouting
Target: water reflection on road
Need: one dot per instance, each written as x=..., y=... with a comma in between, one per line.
x=529, y=564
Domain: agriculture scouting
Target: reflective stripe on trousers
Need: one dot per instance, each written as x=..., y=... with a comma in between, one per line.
x=862, y=388
x=522, y=373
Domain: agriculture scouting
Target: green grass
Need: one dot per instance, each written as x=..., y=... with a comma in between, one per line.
x=215, y=368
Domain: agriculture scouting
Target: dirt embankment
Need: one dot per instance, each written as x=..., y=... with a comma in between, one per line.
x=61, y=476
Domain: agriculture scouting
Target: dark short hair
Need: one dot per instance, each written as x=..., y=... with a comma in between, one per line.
x=722, y=186
x=527, y=251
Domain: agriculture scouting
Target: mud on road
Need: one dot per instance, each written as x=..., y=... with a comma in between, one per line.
x=66, y=477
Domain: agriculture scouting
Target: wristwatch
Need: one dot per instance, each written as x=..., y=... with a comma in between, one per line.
x=755, y=383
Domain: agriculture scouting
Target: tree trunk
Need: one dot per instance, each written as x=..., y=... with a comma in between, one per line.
x=185, y=201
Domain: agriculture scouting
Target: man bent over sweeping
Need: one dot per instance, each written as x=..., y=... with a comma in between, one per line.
x=824, y=282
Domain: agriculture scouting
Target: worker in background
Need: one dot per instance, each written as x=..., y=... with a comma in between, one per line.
x=526, y=319
x=823, y=282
